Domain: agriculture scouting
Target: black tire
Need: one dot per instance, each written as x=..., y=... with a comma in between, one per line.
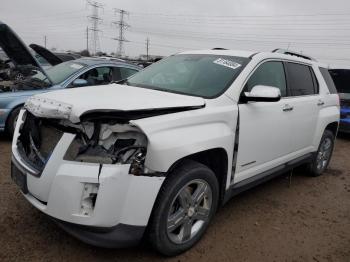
x=315, y=168
x=11, y=121
x=175, y=182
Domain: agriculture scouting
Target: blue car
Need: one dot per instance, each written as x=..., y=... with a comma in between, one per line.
x=341, y=79
x=71, y=74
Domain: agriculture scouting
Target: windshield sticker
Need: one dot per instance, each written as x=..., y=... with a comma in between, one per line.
x=76, y=66
x=227, y=63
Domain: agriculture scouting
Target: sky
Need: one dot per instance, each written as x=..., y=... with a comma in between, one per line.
x=317, y=28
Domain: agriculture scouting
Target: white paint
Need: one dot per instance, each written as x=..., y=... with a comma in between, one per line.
x=268, y=137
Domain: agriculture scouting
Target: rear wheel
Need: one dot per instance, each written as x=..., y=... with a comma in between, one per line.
x=184, y=208
x=323, y=155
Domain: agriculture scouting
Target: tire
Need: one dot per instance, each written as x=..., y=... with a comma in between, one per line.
x=171, y=238
x=12, y=120
x=323, y=155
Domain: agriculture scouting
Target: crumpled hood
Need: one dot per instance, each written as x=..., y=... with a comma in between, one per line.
x=73, y=103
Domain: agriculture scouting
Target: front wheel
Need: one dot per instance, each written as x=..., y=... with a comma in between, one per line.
x=184, y=208
x=323, y=155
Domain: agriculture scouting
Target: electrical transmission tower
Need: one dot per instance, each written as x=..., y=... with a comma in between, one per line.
x=95, y=20
x=121, y=27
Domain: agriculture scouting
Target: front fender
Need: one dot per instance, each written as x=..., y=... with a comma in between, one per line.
x=173, y=137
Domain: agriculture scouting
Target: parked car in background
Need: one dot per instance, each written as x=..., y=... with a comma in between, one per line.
x=25, y=73
x=341, y=78
x=72, y=74
x=20, y=61
x=177, y=140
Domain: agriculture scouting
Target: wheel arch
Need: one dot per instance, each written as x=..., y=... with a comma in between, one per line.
x=215, y=159
x=333, y=127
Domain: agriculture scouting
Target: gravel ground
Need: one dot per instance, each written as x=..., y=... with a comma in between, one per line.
x=308, y=220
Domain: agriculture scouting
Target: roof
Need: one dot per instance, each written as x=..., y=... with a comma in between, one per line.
x=254, y=54
x=238, y=53
x=96, y=61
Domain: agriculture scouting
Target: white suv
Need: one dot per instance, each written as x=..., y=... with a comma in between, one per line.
x=164, y=148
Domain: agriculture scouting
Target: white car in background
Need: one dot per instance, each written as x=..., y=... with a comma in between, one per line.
x=171, y=144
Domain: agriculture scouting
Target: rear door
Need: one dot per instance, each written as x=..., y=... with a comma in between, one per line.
x=305, y=102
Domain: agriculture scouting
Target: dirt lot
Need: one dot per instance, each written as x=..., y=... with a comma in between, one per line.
x=308, y=221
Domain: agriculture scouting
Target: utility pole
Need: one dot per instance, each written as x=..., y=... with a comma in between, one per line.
x=121, y=26
x=87, y=38
x=147, y=47
x=95, y=20
x=45, y=40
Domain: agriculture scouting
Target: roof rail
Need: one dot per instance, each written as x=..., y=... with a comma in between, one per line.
x=292, y=53
x=219, y=48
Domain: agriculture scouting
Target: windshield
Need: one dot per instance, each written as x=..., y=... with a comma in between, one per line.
x=198, y=75
x=341, y=78
x=58, y=73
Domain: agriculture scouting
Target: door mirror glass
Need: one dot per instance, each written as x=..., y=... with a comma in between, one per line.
x=79, y=83
x=261, y=93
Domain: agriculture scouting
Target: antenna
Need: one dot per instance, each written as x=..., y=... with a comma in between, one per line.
x=95, y=20
x=121, y=27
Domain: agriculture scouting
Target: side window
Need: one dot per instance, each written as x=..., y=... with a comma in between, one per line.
x=121, y=73
x=300, y=80
x=98, y=76
x=268, y=74
x=126, y=72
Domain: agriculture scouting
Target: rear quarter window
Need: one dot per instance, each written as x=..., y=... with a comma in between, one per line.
x=329, y=81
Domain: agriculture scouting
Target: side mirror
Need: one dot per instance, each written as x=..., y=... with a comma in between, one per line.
x=79, y=83
x=261, y=93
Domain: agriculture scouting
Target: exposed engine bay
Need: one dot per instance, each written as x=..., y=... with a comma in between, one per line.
x=12, y=78
x=107, y=144
x=95, y=142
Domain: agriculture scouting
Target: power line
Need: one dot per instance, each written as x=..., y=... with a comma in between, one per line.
x=121, y=26
x=242, y=16
x=95, y=21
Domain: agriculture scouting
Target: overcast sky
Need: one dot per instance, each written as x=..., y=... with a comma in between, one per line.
x=319, y=28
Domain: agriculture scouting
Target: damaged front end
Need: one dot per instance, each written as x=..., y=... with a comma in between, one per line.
x=98, y=142
x=85, y=174
x=108, y=143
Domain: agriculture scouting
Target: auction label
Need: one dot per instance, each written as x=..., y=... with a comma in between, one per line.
x=227, y=63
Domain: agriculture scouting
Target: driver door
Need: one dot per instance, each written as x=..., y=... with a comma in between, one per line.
x=264, y=127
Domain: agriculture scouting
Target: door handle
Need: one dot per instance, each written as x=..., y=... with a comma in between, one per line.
x=320, y=103
x=287, y=108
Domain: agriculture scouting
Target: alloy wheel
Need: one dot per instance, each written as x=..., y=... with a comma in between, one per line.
x=189, y=211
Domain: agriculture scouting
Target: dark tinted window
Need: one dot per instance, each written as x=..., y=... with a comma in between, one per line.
x=341, y=78
x=300, y=80
x=268, y=74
